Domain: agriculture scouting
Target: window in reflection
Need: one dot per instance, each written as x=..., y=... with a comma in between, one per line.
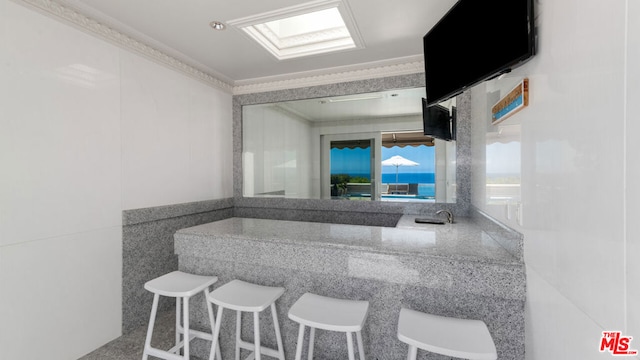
x=407, y=169
x=503, y=156
x=409, y=172
x=503, y=166
x=351, y=170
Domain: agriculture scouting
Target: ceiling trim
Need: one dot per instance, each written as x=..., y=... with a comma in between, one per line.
x=373, y=70
x=84, y=9
x=134, y=42
x=88, y=24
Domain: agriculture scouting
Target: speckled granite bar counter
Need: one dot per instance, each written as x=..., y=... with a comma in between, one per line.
x=452, y=270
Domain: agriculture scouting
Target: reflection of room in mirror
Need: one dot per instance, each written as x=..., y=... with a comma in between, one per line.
x=503, y=170
x=291, y=149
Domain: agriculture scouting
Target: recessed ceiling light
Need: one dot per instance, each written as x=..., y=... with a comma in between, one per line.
x=217, y=25
x=308, y=29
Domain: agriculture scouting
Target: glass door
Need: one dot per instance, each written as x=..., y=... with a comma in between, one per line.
x=351, y=166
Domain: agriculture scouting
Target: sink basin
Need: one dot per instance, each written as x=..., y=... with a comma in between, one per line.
x=430, y=221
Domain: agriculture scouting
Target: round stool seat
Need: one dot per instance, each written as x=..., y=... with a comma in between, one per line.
x=243, y=296
x=462, y=338
x=329, y=313
x=179, y=284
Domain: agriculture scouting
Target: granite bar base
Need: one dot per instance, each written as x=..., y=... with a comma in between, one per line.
x=147, y=251
x=488, y=287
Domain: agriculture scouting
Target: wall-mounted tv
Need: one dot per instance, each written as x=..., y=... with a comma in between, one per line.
x=476, y=41
x=438, y=122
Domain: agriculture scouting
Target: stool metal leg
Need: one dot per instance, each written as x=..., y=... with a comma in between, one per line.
x=216, y=333
x=152, y=320
x=300, y=342
x=186, y=336
x=212, y=321
x=238, y=333
x=360, y=345
x=413, y=353
x=274, y=314
x=350, y=346
x=312, y=339
x=256, y=334
x=178, y=323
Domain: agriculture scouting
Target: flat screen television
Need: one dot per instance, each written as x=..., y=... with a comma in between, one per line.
x=438, y=122
x=476, y=41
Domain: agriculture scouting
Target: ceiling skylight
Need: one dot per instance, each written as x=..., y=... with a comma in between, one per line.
x=308, y=29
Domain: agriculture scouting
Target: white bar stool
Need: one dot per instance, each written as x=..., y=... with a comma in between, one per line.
x=243, y=296
x=461, y=338
x=331, y=314
x=181, y=286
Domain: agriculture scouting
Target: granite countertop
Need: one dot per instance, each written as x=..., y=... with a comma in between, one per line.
x=462, y=240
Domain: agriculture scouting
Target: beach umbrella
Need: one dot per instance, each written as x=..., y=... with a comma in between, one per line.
x=398, y=161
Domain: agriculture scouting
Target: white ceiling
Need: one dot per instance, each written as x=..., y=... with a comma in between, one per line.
x=391, y=31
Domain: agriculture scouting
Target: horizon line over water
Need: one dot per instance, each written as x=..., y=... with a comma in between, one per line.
x=408, y=178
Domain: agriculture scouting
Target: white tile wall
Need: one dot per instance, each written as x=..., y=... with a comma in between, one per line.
x=86, y=131
x=59, y=295
x=60, y=234
x=173, y=137
x=565, y=332
x=632, y=195
x=60, y=120
x=582, y=274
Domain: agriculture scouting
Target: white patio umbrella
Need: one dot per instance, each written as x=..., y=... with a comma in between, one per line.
x=398, y=161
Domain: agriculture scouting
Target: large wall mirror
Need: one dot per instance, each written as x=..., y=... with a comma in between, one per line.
x=367, y=146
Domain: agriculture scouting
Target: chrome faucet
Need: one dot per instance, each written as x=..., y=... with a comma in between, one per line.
x=448, y=213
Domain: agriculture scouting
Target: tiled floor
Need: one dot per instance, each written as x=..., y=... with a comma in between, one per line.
x=130, y=346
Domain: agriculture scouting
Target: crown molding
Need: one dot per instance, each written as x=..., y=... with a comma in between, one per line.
x=88, y=24
x=373, y=70
x=72, y=12
x=88, y=11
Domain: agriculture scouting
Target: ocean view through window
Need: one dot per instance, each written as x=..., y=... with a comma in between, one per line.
x=353, y=166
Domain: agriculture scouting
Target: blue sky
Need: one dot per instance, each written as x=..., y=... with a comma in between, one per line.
x=356, y=161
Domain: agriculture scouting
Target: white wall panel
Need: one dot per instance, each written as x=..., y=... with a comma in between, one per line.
x=565, y=332
x=633, y=174
x=76, y=140
x=572, y=185
x=60, y=189
x=176, y=137
x=60, y=143
x=58, y=295
x=572, y=158
x=211, y=142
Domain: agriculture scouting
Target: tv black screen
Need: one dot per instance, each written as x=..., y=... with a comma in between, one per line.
x=475, y=41
x=437, y=121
